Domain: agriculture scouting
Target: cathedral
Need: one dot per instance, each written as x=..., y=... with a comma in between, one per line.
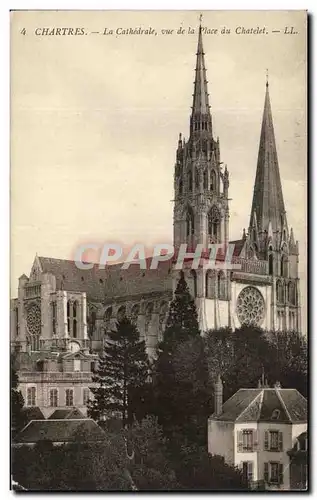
x=62, y=313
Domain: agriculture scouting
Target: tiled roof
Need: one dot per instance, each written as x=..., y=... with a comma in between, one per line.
x=33, y=413
x=113, y=281
x=238, y=247
x=72, y=413
x=260, y=404
x=60, y=431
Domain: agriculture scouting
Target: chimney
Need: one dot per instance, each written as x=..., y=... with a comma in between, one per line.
x=218, y=396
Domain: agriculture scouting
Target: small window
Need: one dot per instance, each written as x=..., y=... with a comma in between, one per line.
x=86, y=394
x=246, y=440
x=273, y=441
x=69, y=397
x=31, y=396
x=273, y=472
x=247, y=471
x=53, y=397
x=77, y=365
x=100, y=281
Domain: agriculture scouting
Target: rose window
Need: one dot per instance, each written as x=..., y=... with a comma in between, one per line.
x=250, y=306
x=33, y=319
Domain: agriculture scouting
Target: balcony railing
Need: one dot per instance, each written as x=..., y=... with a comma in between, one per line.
x=32, y=291
x=25, y=376
x=252, y=266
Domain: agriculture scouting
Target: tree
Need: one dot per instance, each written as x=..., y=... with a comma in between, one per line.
x=240, y=357
x=182, y=321
x=243, y=355
x=73, y=467
x=151, y=469
x=17, y=402
x=121, y=376
x=181, y=376
x=290, y=360
x=196, y=469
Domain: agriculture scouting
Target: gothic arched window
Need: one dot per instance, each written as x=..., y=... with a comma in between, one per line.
x=210, y=284
x=290, y=320
x=121, y=313
x=280, y=291
x=221, y=282
x=148, y=315
x=284, y=266
x=106, y=318
x=135, y=311
x=75, y=312
x=291, y=293
x=190, y=224
x=213, y=181
x=193, y=277
x=72, y=318
x=270, y=264
x=278, y=321
x=214, y=222
x=197, y=179
x=54, y=317
x=205, y=179
x=33, y=322
x=190, y=181
x=68, y=316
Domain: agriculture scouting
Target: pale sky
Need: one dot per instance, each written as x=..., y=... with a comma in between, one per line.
x=95, y=122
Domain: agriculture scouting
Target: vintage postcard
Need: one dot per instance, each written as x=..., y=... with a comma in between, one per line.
x=158, y=313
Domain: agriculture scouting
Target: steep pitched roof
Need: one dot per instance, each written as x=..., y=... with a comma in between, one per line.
x=268, y=203
x=238, y=246
x=70, y=413
x=200, y=96
x=265, y=405
x=33, y=413
x=113, y=281
x=60, y=431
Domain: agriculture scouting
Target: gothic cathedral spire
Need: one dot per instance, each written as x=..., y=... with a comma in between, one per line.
x=200, y=118
x=268, y=210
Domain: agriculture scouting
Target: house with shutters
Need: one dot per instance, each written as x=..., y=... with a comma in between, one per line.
x=255, y=429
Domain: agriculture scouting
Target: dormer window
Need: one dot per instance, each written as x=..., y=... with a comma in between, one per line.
x=275, y=414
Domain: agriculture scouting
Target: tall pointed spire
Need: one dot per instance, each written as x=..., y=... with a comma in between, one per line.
x=200, y=98
x=268, y=203
x=200, y=119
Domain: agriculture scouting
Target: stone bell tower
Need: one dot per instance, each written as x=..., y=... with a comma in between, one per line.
x=201, y=182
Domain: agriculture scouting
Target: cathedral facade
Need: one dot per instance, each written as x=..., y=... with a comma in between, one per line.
x=62, y=313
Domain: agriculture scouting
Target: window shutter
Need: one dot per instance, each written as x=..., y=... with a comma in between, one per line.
x=280, y=475
x=266, y=472
x=280, y=441
x=240, y=440
x=255, y=439
x=266, y=440
x=250, y=471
